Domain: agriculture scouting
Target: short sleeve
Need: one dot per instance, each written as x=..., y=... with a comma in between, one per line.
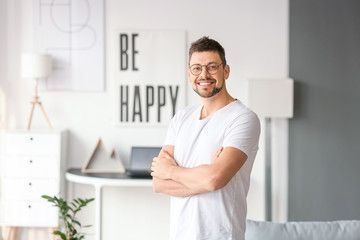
x=243, y=133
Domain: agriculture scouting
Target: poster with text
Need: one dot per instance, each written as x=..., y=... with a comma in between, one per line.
x=150, y=76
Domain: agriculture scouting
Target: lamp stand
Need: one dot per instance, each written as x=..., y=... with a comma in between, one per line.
x=33, y=103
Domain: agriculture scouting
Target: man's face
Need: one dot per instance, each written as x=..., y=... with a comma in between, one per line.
x=205, y=84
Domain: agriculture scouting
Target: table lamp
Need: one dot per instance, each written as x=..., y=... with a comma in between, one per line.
x=36, y=66
x=270, y=98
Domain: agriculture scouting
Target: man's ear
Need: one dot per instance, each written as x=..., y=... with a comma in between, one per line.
x=226, y=71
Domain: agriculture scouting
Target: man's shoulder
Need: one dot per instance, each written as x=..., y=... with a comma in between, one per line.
x=238, y=109
x=240, y=117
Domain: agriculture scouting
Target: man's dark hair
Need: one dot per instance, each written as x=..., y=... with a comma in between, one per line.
x=207, y=44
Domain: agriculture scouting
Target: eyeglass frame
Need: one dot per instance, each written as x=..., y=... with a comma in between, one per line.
x=206, y=68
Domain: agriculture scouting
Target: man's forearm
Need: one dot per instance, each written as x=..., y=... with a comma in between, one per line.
x=204, y=178
x=210, y=177
x=198, y=179
x=172, y=188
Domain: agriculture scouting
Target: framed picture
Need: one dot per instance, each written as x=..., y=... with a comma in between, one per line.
x=149, y=75
x=72, y=32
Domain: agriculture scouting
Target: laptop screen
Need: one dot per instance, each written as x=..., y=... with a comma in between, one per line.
x=141, y=158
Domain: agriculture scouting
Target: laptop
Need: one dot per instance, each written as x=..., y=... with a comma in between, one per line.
x=140, y=161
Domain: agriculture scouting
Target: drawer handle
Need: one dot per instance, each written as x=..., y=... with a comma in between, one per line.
x=30, y=184
x=30, y=161
x=31, y=138
x=29, y=206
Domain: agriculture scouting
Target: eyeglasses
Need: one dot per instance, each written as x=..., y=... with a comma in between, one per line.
x=212, y=68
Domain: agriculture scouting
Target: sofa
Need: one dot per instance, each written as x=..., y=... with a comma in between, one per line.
x=335, y=230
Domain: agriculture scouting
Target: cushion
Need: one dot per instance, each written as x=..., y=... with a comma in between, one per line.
x=336, y=230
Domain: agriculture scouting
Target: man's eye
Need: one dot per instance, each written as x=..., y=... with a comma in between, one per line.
x=212, y=67
x=196, y=68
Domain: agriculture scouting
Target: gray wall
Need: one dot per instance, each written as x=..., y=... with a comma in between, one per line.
x=324, y=161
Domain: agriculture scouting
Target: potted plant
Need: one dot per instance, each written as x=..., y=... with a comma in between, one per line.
x=72, y=226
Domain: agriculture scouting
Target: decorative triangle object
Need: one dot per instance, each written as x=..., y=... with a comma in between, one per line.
x=102, y=162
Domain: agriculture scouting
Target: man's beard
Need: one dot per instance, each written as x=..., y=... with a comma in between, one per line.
x=211, y=94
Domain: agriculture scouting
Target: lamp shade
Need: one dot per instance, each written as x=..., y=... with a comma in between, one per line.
x=272, y=97
x=35, y=65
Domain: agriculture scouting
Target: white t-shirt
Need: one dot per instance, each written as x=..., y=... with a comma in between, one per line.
x=219, y=214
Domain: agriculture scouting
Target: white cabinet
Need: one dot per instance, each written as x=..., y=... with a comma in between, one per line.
x=33, y=164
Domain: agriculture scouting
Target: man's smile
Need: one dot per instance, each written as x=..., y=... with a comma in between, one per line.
x=205, y=83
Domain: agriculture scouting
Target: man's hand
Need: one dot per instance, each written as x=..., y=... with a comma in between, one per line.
x=170, y=187
x=162, y=165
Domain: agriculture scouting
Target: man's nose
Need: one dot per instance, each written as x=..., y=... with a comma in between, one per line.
x=204, y=73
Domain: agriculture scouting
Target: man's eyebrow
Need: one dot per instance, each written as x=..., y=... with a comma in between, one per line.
x=213, y=62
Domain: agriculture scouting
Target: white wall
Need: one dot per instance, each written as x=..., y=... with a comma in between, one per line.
x=254, y=34
x=3, y=60
x=3, y=43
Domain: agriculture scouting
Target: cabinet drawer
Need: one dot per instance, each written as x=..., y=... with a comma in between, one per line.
x=39, y=167
x=29, y=189
x=29, y=213
x=30, y=144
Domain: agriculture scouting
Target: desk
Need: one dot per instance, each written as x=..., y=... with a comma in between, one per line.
x=99, y=180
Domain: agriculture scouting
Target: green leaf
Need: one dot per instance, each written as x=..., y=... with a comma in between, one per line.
x=77, y=222
x=68, y=225
x=62, y=235
x=47, y=197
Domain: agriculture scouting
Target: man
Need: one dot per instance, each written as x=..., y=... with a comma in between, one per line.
x=208, y=154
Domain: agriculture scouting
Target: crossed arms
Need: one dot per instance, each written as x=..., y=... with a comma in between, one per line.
x=173, y=180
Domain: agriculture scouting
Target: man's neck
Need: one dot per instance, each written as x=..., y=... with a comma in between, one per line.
x=212, y=104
